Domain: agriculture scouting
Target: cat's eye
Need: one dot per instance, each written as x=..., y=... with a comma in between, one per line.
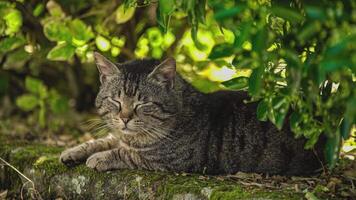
x=115, y=102
x=146, y=108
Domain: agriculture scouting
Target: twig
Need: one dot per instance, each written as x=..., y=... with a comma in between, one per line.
x=12, y=167
x=34, y=193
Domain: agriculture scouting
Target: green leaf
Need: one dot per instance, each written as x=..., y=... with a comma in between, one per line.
x=205, y=85
x=221, y=50
x=331, y=64
x=294, y=122
x=81, y=33
x=61, y=52
x=332, y=149
x=10, y=43
x=57, y=31
x=4, y=83
x=42, y=114
x=102, y=43
x=259, y=42
x=242, y=34
x=311, y=196
x=349, y=118
x=166, y=7
x=291, y=58
x=58, y=104
x=345, y=128
x=280, y=107
x=229, y=13
x=27, y=102
x=54, y=9
x=238, y=83
x=164, y=11
x=34, y=85
x=38, y=10
x=255, y=81
x=154, y=36
x=124, y=14
x=243, y=60
x=287, y=13
x=314, y=12
x=262, y=110
x=309, y=30
x=13, y=21
x=312, y=140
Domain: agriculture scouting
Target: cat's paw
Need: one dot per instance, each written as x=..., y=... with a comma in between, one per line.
x=72, y=156
x=100, y=162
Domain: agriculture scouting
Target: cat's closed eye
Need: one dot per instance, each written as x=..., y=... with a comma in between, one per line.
x=146, y=108
x=115, y=102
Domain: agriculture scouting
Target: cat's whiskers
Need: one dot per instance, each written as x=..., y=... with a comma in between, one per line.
x=161, y=133
x=149, y=134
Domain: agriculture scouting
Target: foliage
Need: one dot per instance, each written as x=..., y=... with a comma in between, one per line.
x=295, y=57
x=39, y=99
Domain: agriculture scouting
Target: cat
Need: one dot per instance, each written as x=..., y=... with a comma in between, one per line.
x=160, y=122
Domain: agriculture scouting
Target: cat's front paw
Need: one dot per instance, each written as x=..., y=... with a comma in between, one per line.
x=72, y=156
x=100, y=162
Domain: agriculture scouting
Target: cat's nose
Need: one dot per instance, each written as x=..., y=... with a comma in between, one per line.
x=125, y=120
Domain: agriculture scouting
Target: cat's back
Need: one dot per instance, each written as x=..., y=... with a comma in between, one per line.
x=238, y=141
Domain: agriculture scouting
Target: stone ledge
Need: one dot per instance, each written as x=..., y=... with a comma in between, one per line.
x=53, y=180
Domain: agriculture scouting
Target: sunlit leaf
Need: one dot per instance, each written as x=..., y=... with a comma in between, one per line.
x=123, y=15
x=205, y=86
x=27, y=102
x=115, y=51
x=80, y=32
x=62, y=51
x=155, y=37
x=311, y=196
x=57, y=31
x=13, y=21
x=102, y=43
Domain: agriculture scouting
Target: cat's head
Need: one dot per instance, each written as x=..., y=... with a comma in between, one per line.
x=137, y=97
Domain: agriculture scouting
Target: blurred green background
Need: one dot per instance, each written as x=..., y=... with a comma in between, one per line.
x=295, y=57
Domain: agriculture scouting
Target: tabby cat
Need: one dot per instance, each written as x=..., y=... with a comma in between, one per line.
x=160, y=122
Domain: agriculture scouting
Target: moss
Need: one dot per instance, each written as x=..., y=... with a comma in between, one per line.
x=237, y=192
x=83, y=183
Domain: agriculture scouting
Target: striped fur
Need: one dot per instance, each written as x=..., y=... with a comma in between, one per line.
x=173, y=127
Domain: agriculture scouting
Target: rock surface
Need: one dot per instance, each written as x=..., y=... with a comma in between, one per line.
x=49, y=179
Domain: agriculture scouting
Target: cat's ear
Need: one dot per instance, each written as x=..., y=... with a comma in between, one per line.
x=105, y=66
x=164, y=74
